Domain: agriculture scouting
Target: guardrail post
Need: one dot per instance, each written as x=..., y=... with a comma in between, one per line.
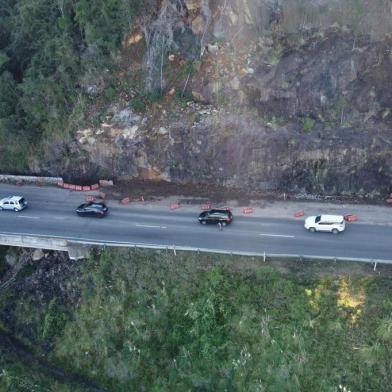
x=375, y=265
x=174, y=250
x=264, y=257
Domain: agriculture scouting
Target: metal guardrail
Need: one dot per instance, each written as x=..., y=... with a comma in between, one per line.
x=65, y=243
x=265, y=255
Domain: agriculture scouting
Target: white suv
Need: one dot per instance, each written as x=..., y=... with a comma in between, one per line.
x=332, y=223
x=14, y=203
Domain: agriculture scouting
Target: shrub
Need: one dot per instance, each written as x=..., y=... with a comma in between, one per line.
x=207, y=322
x=307, y=125
x=138, y=104
x=54, y=320
x=275, y=54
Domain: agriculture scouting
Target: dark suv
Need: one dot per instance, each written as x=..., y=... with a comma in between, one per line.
x=92, y=209
x=216, y=216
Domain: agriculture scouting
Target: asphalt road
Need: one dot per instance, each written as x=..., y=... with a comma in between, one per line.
x=51, y=213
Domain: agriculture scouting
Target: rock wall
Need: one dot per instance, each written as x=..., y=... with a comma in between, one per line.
x=276, y=104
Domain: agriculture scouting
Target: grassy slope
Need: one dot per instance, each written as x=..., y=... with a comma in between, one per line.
x=154, y=321
x=20, y=375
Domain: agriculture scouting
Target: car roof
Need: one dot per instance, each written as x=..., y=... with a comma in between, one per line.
x=94, y=204
x=13, y=198
x=332, y=218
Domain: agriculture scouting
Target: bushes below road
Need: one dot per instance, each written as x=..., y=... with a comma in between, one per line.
x=23, y=374
x=148, y=320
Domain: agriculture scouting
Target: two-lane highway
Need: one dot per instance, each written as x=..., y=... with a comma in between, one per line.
x=51, y=213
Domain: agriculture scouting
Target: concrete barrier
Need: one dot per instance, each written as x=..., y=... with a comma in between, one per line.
x=30, y=179
x=32, y=241
x=75, y=250
x=105, y=183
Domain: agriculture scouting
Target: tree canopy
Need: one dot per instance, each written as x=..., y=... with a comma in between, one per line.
x=46, y=49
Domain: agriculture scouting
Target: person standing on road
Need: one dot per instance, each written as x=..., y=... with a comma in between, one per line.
x=220, y=226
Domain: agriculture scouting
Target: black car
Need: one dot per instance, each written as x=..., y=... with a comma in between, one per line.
x=92, y=209
x=216, y=216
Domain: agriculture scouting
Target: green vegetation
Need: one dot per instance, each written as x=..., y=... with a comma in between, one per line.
x=183, y=98
x=155, y=321
x=16, y=376
x=3, y=264
x=274, y=54
x=140, y=102
x=275, y=122
x=51, y=53
x=307, y=125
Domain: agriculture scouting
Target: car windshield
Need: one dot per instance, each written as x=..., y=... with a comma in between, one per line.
x=219, y=212
x=317, y=219
x=21, y=200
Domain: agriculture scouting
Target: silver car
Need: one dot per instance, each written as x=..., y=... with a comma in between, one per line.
x=13, y=203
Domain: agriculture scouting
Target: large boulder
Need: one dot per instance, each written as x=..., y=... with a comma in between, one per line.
x=37, y=255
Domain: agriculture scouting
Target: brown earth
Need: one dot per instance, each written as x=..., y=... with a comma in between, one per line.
x=235, y=106
x=150, y=190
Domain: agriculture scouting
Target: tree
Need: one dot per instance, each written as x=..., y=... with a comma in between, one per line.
x=8, y=95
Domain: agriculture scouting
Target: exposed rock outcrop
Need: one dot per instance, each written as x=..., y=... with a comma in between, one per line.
x=305, y=110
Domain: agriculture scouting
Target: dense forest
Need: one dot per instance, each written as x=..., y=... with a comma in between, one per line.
x=127, y=320
x=49, y=50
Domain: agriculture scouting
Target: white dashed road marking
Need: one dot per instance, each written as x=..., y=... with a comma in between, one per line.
x=152, y=226
x=277, y=235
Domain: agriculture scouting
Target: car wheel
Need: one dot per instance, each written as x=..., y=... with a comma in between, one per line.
x=203, y=222
x=312, y=229
x=335, y=231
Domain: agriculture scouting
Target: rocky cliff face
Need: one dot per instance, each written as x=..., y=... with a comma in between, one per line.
x=250, y=100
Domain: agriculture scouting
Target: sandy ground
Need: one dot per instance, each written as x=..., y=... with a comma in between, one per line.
x=191, y=197
x=367, y=214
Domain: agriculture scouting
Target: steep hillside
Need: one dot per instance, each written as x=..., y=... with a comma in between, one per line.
x=264, y=95
x=127, y=320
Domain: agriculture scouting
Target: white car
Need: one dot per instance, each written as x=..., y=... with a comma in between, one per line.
x=331, y=223
x=13, y=203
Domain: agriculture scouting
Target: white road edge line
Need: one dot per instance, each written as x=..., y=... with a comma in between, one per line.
x=277, y=235
x=28, y=217
x=152, y=226
x=195, y=249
